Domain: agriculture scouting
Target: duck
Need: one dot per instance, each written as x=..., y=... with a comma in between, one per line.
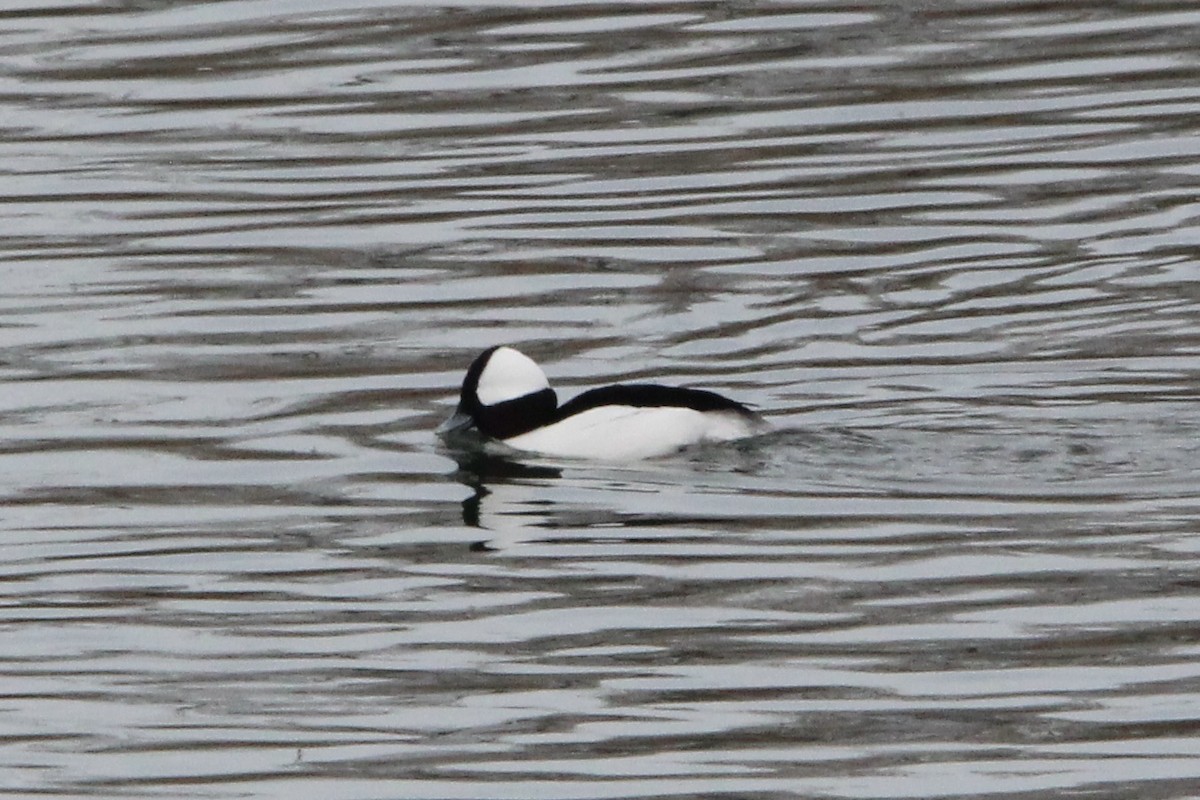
x=507, y=398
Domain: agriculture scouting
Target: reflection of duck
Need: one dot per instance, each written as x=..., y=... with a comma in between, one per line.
x=504, y=499
x=482, y=472
x=505, y=396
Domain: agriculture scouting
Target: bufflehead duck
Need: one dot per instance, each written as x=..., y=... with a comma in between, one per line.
x=506, y=397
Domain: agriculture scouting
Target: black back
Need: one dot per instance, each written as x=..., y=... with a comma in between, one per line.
x=649, y=395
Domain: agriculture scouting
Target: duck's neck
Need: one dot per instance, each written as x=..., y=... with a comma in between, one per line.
x=517, y=416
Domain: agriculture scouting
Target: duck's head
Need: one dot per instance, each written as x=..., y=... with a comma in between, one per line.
x=504, y=394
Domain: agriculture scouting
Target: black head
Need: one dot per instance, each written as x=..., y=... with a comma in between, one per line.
x=504, y=394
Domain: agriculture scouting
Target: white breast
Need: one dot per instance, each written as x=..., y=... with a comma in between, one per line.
x=629, y=433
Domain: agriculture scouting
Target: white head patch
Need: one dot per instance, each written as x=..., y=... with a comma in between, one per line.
x=509, y=374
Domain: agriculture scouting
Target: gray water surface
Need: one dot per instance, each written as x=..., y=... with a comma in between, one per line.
x=248, y=249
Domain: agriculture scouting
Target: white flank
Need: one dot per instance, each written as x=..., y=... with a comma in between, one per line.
x=509, y=374
x=629, y=433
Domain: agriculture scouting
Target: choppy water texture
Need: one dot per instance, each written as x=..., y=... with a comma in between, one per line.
x=247, y=250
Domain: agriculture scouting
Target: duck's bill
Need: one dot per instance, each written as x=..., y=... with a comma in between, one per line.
x=459, y=421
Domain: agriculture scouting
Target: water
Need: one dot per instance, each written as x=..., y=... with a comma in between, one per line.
x=248, y=249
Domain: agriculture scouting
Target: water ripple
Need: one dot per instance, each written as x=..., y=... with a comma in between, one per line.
x=248, y=252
